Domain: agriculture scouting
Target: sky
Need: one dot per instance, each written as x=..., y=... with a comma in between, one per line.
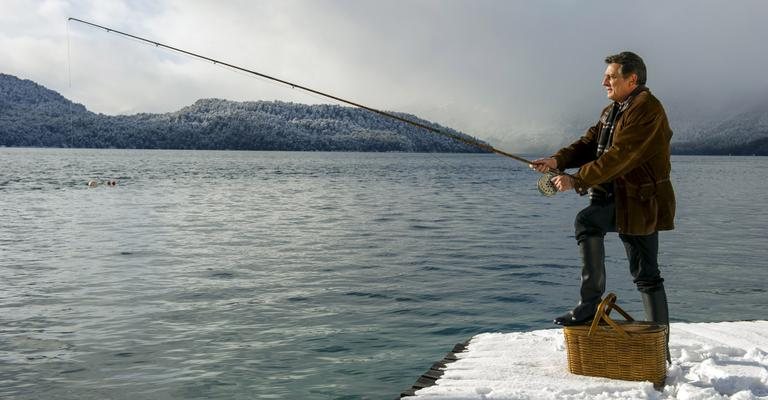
x=523, y=74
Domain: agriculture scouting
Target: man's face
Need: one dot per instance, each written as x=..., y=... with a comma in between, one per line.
x=617, y=87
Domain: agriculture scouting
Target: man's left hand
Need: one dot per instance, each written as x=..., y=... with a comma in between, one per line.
x=563, y=182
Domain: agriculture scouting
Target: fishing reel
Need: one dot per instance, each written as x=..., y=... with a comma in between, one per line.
x=545, y=185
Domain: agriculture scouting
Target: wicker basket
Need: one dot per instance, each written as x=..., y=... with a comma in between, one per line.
x=631, y=350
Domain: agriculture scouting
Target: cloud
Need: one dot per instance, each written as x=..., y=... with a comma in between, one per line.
x=525, y=73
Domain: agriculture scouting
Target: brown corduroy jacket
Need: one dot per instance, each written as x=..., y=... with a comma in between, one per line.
x=638, y=163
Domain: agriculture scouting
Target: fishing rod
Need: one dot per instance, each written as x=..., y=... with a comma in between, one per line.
x=545, y=185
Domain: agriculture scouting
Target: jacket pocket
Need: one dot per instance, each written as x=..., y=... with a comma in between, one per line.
x=644, y=192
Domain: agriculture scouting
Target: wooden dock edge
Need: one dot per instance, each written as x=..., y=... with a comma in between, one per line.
x=435, y=371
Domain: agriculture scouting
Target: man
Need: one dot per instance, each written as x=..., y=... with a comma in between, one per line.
x=624, y=165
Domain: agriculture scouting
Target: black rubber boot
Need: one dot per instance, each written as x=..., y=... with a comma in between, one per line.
x=656, y=310
x=592, y=282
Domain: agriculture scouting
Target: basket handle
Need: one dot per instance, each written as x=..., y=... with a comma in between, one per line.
x=603, y=310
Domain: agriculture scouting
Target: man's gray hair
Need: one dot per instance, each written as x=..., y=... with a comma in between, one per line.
x=630, y=63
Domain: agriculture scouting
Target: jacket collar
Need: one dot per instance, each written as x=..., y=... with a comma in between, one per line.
x=625, y=104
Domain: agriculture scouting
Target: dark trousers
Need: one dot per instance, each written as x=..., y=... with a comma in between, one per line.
x=642, y=250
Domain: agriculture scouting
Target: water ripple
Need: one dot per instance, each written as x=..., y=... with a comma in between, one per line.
x=323, y=275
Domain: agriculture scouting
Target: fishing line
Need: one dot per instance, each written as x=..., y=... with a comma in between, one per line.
x=69, y=59
x=545, y=185
x=69, y=79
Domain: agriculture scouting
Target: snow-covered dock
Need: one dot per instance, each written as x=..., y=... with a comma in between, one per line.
x=724, y=360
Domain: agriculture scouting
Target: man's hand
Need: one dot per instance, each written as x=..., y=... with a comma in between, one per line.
x=543, y=165
x=563, y=182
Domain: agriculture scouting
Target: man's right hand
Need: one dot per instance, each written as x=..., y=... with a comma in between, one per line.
x=543, y=164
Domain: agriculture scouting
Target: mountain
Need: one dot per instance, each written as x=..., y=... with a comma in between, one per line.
x=34, y=116
x=744, y=134
x=31, y=115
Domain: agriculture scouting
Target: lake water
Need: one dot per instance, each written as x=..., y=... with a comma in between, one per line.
x=272, y=275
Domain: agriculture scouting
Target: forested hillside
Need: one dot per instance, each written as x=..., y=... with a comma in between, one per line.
x=744, y=134
x=32, y=115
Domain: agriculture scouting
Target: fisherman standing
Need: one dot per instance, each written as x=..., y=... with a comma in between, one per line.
x=624, y=166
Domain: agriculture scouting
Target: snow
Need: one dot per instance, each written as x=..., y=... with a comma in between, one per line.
x=724, y=360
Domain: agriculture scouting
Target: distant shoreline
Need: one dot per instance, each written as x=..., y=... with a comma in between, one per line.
x=346, y=151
